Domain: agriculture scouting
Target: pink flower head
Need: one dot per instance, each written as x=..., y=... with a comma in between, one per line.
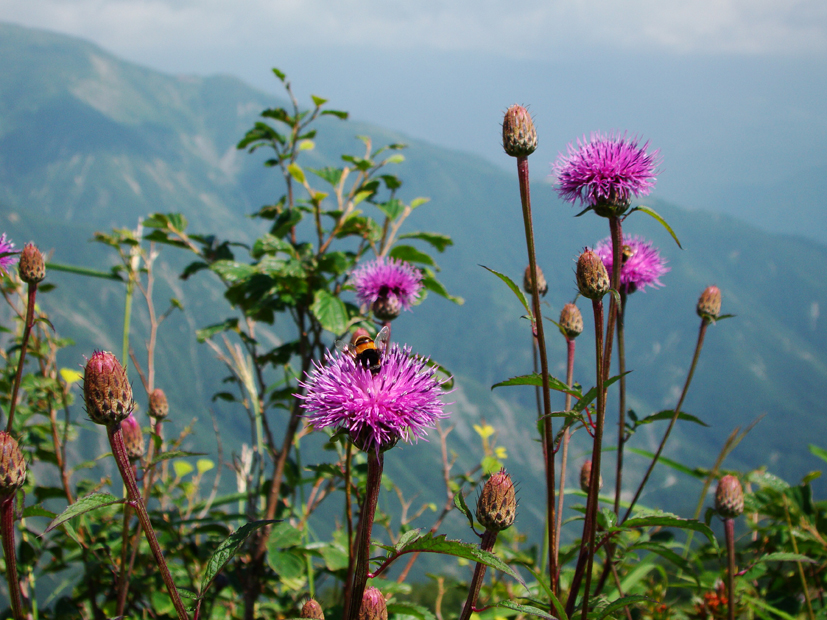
x=605, y=169
x=400, y=401
x=643, y=265
x=6, y=258
x=384, y=279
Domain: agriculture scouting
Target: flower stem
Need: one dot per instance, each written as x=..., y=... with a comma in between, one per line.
x=360, y=576
x=548, y=437
x=729, y=534
x=27, y=330
x=675, y=414
x=7, y=531
x=621, y=423
x=487, y=544
x=565, y=454
x=119, y=451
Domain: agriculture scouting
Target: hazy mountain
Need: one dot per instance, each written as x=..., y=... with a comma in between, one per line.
x=88, y=142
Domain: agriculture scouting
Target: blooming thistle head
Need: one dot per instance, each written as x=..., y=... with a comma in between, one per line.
x=8, y=256
x=519, y=134
x=604, y=172
x=106, y=389
x=387, y=285
x=642, y=264
x=592, y=278
x=400, y=401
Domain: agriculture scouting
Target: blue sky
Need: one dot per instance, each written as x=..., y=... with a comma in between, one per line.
x=732, y=91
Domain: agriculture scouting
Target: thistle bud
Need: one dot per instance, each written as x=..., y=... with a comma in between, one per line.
x=373, y=606
x=133, y=438
x=359, y=332
x=312, y=609
x=497, y=504
x=592, y=278
x=12, y=466
x=387, y=308
x=32, y=267
x=158, y=405
x=106, y=389
x=729, y=497
x=709, y=304
x=571, y=321
x=542, y=285
x=586, y=477
x=519, y=135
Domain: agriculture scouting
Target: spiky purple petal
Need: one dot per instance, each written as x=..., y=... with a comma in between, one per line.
x=401, y=401
x=643, y=268
x=605, y=168
x=6, y=246
x=387, y=278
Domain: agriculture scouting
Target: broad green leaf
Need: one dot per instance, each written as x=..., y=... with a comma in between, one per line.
x=82, y=506
x=231, y=271
x=393, y=208
x=766, y=479
x=786, y=557
x=536, y=380
x=662, y=221
x=525, y=609
x=514, y=288
x=287, y=564
x=814, y=450
x=227, y=549
x=37, y=511
x=418, y=202
x=284, y=535
x=665, y=519
x=412, y=255
x=330, y=311
x=296, y=172
x=438, y=241
x=432, y=284
x=331, y=175
x=307, y=145
x=398, y=158
x=182, y=468
x=619, y=604
x=667, y=414
x=204, y=465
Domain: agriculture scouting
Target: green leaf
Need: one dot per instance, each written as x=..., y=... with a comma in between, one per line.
x=619, y=604
x=296, y=172
x=330, y=311
x=665, y=519
x=655, y=215
x=331, y=175
x=786, y=557
x=85, y=271
x=398, y=158
x=227, y=549
x=208, y=332
x=695, y=473
x=412, y=255
x=182, y=468
x=665, y=553
x=174, y=454
x=434, y=285
x=536, y=380
x=37, y=511
x=816, y=451
x=231, y=271
x=281, y=76
x=525, y=609
x=418, y=202
x=336, y=113
x=393, y=208
x=459, y=502
x=667, y=414
x=438, y=241
x=514, y=288
x=318, y=101
x=82, y=506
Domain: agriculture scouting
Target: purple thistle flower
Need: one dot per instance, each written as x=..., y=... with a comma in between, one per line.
x=400, y=401
x=605, y=169
x=642, y=267
x=387, y=279
x=6, y=246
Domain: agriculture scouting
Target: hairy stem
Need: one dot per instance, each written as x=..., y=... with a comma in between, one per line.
x=27, y=331
x=621, y=422
x=565, y=454
x=486, y=544
x=360, y=575
x=729, y=534
x=7, y=531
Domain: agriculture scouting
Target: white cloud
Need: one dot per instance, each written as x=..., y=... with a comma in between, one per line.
x=536, y=29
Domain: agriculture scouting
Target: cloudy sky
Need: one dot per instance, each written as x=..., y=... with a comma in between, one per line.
x=731, y=91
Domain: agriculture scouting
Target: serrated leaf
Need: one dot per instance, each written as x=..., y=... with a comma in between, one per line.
x=227, y=549
x=660, y=219
x=331, y=175
x=330, y=311
x=514, y=288
x=667, y=414
x=82, y=506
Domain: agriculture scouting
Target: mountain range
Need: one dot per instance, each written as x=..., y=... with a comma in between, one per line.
x=89, y=142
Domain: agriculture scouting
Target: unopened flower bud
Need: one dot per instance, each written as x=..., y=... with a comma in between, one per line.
x=312, y=609
x=571, y=321
x=158, y=405
x=729, y=497
x=387, y=308
x=32, y=267
x=586, y=477
x=359, y=332
x=542, y=285
x=709, y=304
x=106, y=389
x=497, y=504
x=373, y=606
x=12, y=465
x=519, y=135
x=133, y=438
x=592, y=278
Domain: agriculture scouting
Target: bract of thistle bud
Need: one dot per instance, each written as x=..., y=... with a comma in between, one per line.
x=586, y=477
x=12, y=465
x=387, y=308
x=32, y=267
x=542, y=285
x=374, y=606
x=497, y=504
x=729, y=497
x=312, y=609
x=571, y=321
x=106, y=389
x=158, y=405
x=709, y=304
x=592, y=277
x=133, y=438
x=519, y=135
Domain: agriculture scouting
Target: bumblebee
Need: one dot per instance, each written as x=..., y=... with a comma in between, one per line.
x=366, y=351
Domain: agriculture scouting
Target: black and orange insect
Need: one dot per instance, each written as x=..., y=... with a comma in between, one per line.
x=365, y=350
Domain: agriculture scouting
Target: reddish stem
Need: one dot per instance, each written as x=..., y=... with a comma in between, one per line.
x=27, y=330
x=7, y=531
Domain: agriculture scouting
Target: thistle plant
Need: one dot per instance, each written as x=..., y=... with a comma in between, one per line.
x=729, y=504
x=12, y=477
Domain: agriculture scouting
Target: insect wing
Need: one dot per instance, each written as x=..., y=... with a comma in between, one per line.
x=343, y=345
x=382, y=339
